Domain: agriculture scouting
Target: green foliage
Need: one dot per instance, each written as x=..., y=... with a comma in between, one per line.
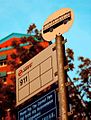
x=31, y=27
x=84, y=75
x=78, y=91
x=70, y=58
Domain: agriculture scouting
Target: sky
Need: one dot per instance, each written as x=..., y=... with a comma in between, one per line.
x=17, y=15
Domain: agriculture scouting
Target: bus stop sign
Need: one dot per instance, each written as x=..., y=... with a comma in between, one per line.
x=57, y=23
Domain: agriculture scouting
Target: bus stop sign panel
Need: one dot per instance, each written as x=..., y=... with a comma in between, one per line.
x=57, y=23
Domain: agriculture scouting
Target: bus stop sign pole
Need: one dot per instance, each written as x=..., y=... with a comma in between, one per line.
x=61, y=79
x=59, y=22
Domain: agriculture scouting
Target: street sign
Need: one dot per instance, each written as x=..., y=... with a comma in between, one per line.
x=57, y=23
x=36, y=75
x=44, y=108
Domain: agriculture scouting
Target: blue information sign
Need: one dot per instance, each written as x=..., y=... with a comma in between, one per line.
x=45, y=108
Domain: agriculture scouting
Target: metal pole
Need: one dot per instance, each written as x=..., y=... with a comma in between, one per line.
x=61, y=79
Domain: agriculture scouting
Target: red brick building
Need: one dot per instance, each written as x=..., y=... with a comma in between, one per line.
x=6, y=49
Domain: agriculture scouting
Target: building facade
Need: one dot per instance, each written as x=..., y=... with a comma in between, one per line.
x=6, y=49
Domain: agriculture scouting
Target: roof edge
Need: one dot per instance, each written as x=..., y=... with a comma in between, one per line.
x=19, y=35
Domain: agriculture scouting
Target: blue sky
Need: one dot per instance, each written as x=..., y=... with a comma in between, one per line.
x=17, y=15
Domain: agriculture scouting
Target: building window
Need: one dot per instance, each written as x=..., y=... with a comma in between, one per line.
x=3, y=79
x=3, y=63
x=3, y=76
x=3, y=60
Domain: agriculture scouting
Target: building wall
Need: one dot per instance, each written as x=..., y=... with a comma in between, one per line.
x=4, y=67
x=5, y=55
